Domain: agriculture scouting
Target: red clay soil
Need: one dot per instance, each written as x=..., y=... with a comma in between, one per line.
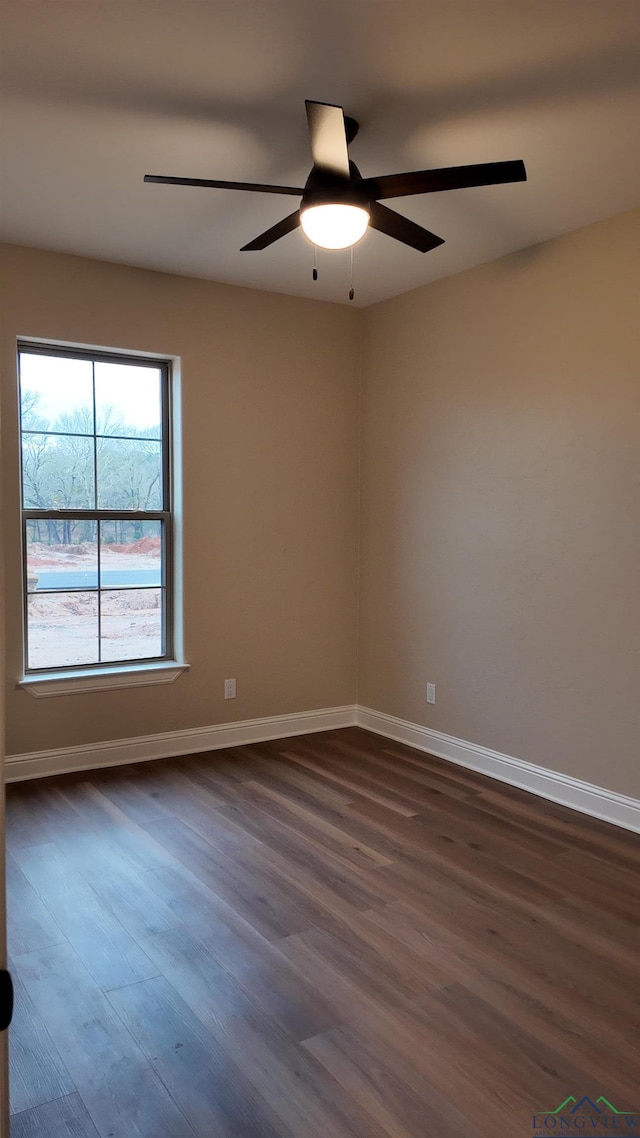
x=142, y=545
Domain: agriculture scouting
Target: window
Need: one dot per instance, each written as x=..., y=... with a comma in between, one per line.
x=96, y=509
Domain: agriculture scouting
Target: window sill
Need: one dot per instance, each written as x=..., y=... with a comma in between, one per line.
x=80, y=681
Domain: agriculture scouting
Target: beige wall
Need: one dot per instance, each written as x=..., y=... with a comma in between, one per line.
x=500, y=545
x=270, y=390
x=500, y=500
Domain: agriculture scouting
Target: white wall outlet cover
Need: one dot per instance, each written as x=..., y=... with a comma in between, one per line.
x=431, y=693
x=229, y=689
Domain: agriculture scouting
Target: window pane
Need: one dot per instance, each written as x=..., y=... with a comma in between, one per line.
x=63, y=629
x=91, y=440
x=131, y=621
x=62, y=553
x=39, y=465
x=129, y=474
x=58, y=472
x=56, y=394
x=128, y=400
x=130, y=554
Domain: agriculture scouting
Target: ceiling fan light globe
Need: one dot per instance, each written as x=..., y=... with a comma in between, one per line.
x=334, y=226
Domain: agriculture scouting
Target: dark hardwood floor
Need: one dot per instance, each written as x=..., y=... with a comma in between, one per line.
x=320, y=937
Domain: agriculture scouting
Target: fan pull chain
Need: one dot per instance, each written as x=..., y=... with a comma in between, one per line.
x=351, y=292
x=315, y=262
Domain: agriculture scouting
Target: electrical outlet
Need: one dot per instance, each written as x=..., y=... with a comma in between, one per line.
x=229, y=689
x=431, y=693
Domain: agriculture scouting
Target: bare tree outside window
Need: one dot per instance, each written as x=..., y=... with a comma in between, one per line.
x=96, y=508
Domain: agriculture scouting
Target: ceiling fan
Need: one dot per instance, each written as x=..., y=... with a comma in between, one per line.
x=338, y=204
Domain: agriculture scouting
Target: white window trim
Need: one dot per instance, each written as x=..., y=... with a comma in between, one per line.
x=114, y=677
x=83, y=680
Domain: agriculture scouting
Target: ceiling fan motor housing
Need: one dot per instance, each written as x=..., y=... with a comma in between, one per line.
x=324, y=188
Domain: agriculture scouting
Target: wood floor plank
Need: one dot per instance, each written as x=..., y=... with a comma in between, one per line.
x=512, y=1058
x=308, y=787
x=268, y=980
x=410, y=1045
x=266, y=909
x=301, y=850
x=37, y=1071
x=457, y=856
x=23, y=826
x=194, y=803
x=580, y=831
x=138, y=801
x=343, y=775
x=331, y=895
x=450, y=779
x=350, y=1002
x=598, y=875
x=79, y=818
x=124, y=1096
x=61, y=1118
x=334, y=764
x=197, y=975
x=307, y=1099
x=614, y=1057
x=521, y=958
x=109, y=871
x=419, y=786
x=192, y=806
x=395, y=1093
x=330, y=829
x=616, y=938
x=180, y=1050
x=30, y=925
x=369, y=968
x=198, y=907
x=112, y=956
x=332, y=935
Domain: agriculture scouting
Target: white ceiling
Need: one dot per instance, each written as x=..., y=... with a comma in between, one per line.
x=96, y=93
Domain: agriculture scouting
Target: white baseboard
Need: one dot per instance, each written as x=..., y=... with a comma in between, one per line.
x=573, y=792
x=39, y=764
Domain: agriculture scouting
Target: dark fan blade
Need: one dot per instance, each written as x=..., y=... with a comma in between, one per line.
x=449, y=178
x=274, y=234
x=328, y=138
x=394, y=225
x=211, y=183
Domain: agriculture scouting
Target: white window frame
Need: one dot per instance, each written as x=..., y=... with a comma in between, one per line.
x=76, y=679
